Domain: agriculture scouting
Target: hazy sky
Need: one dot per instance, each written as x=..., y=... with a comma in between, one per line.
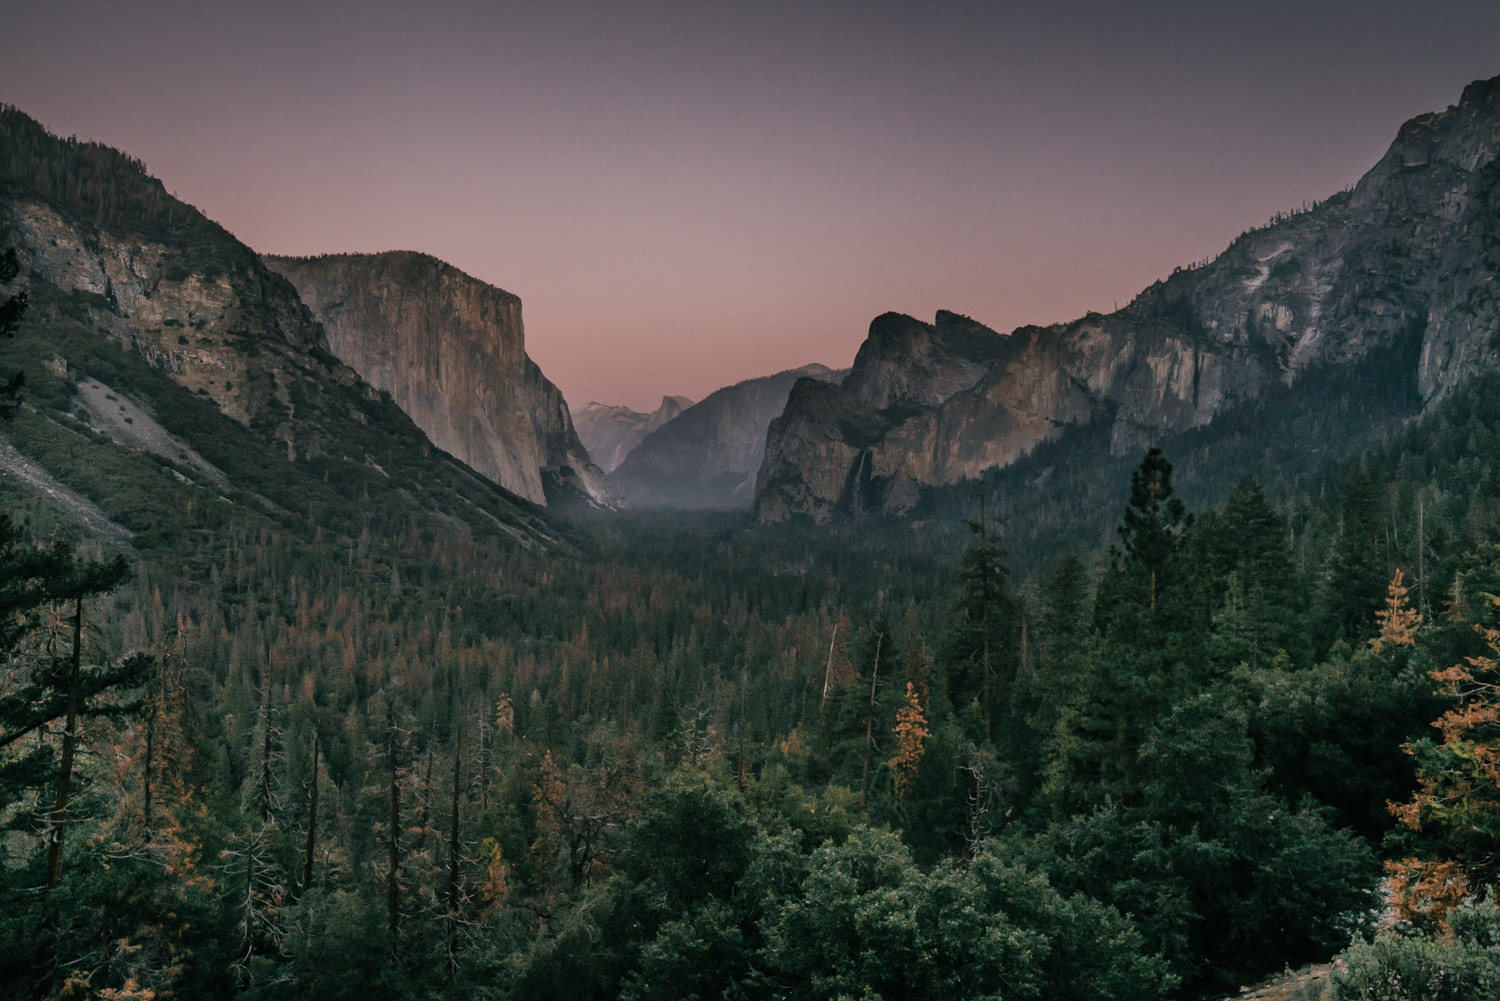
x=689, y=194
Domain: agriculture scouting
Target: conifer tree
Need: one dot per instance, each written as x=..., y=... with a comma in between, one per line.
x=1357, y=571
x=980, y=655
x=1253, y=580
x=911, y=730
x=1154, y=521
x=53, y=682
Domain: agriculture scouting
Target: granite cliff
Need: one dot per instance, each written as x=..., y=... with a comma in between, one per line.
x=1396, y=272
x=610, y=433
x=450, y=350
x=141, y=301
x=708, y=456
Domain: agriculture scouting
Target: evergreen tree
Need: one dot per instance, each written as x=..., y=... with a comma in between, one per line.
x=1454, y=816
x=1154, y=523
x=1256, y=594
x=1357, y=571
x=52, y=684
x=1150, y=652
x=980, y=658
x=12, y=308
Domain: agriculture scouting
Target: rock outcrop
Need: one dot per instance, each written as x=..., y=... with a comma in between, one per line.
x=610, y=433
x=113, y=263
x=450, y=351
x=197, y=305
x=1399, y=271
x=708, y=456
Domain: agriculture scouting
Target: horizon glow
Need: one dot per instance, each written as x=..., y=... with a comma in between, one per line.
x=688, y=195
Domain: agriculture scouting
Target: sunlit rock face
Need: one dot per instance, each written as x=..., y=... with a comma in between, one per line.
x=1398, y=271
x=708, y=456
x=450, y=350
x=611, y=432
x=202, y=309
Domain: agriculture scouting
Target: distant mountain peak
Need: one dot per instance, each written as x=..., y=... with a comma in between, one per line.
x=708, y=455
x=610, y=431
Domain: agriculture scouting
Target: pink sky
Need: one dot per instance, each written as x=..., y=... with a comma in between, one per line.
x=689, y=194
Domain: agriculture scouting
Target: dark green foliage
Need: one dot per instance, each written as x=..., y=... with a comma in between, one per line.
x=1255, y=592
x=52, y=684
x=1237, y=894
x=120, y=922
x=1334, y=732
x=1400, y=965
x=12, y=308
x=1358, y=567
x=980, y=657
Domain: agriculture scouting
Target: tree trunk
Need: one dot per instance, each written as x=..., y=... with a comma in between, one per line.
x=453, y=866
x=312, y=820
x=393, y=881
x=59, y=817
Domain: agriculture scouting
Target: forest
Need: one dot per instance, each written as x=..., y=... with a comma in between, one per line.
x=1098, y=727
x=693, y=757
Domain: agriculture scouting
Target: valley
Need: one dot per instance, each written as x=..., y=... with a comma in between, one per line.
x=1081, y=661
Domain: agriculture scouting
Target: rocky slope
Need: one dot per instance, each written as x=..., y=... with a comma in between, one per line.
x=1397, y=272
x=708, y=456
x=137, y=294
x=450, y=350
x=610, y=433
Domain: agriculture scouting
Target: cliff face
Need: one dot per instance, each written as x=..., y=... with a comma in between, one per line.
x=450, y=350
x=708, y=456
x=610, y=433
x=216, y=320
x=1398, y=271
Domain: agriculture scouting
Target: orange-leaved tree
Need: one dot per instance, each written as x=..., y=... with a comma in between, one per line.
x=911, y=730
x=1456, y=808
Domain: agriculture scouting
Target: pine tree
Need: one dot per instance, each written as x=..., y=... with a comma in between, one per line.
x=1357, y=571
x=1255, y=589
x=980, y=655
x=1154, y=522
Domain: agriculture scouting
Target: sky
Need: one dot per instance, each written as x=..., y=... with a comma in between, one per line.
x=689, y=194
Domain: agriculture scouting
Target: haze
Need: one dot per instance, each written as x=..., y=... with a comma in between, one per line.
x=685, y=195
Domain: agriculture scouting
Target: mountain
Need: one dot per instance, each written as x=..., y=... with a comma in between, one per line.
x=1395, y=274
x=611, y=432
x=152, y=332
x=707, y=456
x=451, y=352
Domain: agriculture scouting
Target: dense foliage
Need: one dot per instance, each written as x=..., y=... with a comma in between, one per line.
x=711, y=760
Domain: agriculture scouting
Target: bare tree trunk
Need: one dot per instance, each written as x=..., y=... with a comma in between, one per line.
x=864, y=781
x=453, y=865
x=59, y=818
x=422, y=812
x=151, y=711
x=312, y=819
x=393, y=880
x=263, y=783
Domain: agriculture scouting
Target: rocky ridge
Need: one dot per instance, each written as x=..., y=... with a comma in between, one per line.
x=1398, y=271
